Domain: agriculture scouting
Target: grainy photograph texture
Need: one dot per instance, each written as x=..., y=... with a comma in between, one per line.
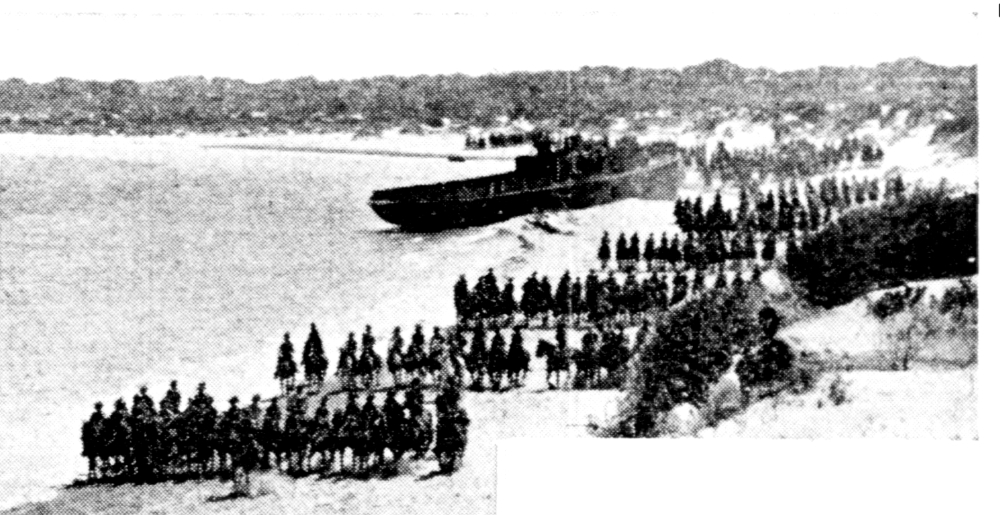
x=327, y=271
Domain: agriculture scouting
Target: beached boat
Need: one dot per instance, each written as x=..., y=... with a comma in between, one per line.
x=533, y=186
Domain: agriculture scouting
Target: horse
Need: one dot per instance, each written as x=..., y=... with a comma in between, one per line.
x=556, y=361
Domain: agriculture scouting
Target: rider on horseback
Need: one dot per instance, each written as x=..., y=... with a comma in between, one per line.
x=394, y=423
x=93, y=442
x=371, y=422
x=496, y=363
x=452, y=427
x=414, y=399
x=518, y=359
x=436, y=354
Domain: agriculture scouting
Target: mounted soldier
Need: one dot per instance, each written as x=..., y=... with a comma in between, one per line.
x=477, y=357
x=94, y=448
x=396, y=356
x=117, y=437
x=347, y=362
x=319, y=436
x=414, y=398
x=456, y=356
x=613, y=355
x=518, y=359
x=247, y=456
x=295, y=435
x=419, y=423
x=586, y=361
x=203, y=418
x=229, y=437
x=556, y=362
x=452, y=429
x=496, y=364
x=372, y=443
x=394, y=425
x=172, y=399
x=144, y=435
x=337, y=443
x=437, y=354
x=369, y=366
x=271, y=435
x=415, y=360
x=253, y=413
x=352, y=428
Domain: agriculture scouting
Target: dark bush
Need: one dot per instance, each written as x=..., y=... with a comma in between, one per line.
x=957, y=299
x=690, y=352
x=894, y=302
x=766, y=365
x=928, y=235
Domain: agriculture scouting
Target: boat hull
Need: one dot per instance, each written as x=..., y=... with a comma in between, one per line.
x=657, y=181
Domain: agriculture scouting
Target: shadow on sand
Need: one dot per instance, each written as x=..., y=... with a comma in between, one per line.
x=433, y=474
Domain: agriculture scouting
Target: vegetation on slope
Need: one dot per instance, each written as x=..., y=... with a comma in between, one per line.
x=927, y=235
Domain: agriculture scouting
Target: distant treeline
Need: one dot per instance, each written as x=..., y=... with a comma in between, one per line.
x=593, y=96
x=794, y=159
x=497, y=140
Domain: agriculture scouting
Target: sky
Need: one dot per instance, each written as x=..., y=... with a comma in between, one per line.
x=254, y=41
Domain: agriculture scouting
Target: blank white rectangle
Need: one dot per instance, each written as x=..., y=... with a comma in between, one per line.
x=772, y=477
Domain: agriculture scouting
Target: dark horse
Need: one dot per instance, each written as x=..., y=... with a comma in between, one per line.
x=556, y=361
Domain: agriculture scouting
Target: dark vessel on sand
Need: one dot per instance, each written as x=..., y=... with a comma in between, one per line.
x=578, y=174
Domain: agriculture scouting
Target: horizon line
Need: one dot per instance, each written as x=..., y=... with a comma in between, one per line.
x=916, y=60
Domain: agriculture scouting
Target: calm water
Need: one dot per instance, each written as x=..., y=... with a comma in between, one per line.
x=129, y=262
